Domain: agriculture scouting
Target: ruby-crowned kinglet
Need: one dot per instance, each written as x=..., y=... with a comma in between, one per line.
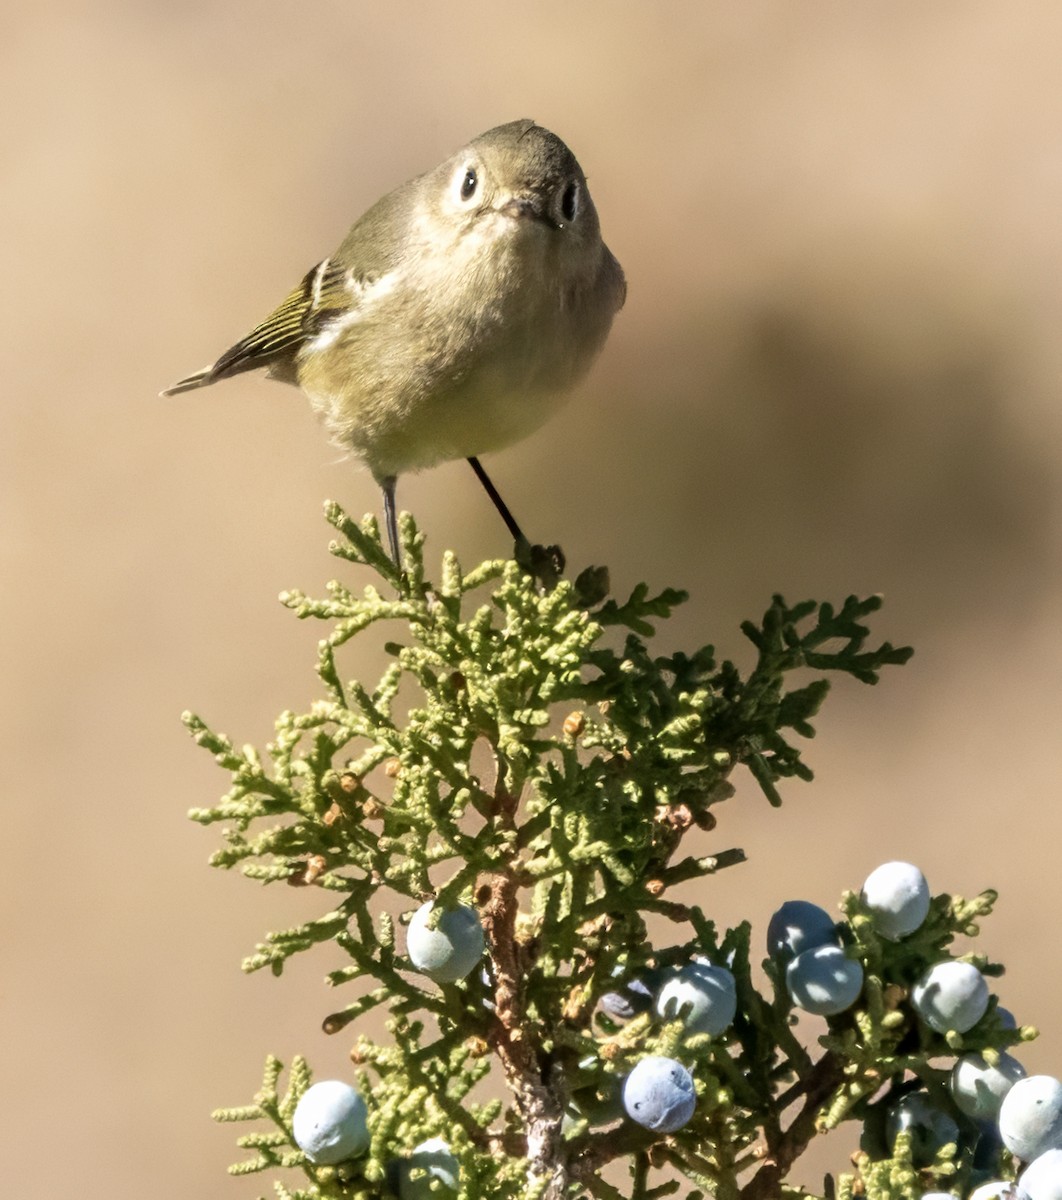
x=455, y=315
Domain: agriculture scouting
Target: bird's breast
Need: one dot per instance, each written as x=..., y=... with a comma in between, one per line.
x=451, y=357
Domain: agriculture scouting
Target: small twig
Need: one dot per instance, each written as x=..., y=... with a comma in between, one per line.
x=825, y=1076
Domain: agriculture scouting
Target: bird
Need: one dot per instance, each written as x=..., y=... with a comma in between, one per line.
x=454, y=318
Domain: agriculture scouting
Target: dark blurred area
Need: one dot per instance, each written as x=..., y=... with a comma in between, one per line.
x=837, y=372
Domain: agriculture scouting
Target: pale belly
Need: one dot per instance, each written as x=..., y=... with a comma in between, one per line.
x=401, y=412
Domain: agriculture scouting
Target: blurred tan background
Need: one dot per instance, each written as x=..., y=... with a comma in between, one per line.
x=837, y=371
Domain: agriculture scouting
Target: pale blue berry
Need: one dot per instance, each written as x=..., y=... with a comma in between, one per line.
x=633, y=998
x=1042, y=1178
x=329, y=1123
x=951, y=995
x=430, y=1160
x=450, y=950
x=1030, y=1117
x=798, y=926
x=824, y=980
x=930, y=1128
x=1007, y=1019
x=997, y=1189
x=978, y=1088
x=705, y=996
x=659, y=1094
x=897, y=895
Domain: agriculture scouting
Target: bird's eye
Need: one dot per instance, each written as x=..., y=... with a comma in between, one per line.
x=570, y=201
x=469, y=183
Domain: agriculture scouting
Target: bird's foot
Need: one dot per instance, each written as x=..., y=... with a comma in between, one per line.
x=543, y=563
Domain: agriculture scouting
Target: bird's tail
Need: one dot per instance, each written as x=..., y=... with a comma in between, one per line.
x=198, y=380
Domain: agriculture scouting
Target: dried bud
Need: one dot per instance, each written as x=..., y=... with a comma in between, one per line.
x=574, y=724
x=392, y=767
x=655, y=887
x=597, y=927
x=681, y=817
x=893, y=995
x=572, y=1008
x=677, y=816
x=372, y=809
x=477, y=1047
x=349, y=782
x=334, y=814
x=307, y=872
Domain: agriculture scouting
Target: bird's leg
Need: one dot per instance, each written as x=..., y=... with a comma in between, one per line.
x=545, y=563
x=496, y=500
x=391, y=517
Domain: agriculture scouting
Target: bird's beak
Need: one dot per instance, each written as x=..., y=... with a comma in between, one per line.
x=530, y=206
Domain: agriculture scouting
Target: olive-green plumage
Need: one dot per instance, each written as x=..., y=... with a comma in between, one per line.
x=456, y=314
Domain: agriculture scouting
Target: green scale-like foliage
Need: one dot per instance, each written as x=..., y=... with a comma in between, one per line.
x=526, y=752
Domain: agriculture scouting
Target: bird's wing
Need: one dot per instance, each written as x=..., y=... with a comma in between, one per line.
x=324, y=292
